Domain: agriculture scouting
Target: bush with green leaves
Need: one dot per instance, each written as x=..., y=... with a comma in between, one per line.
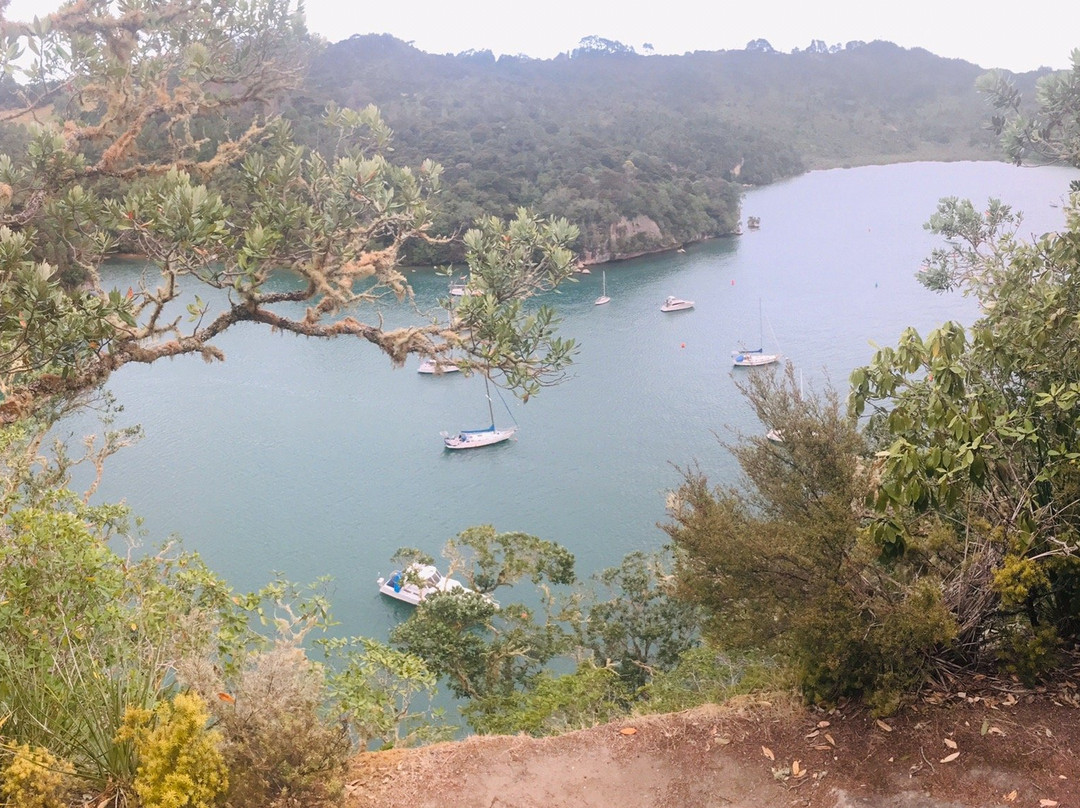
x=785, y=566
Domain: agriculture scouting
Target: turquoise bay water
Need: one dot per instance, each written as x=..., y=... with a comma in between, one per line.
x=312, y=458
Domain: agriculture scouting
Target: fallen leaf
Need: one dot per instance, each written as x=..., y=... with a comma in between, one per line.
x=996, y=731
x=628, y=731
x=884, y=726
x=723, y=740
x=1011, y=796
x=1047, y=803
x=821, y=747
x=796, y=770
x=949, y=742
x=813, y=734
x=226, y=697
x=950, y=758
x=767, y=752
x=1049, y=734
x=829, y=738
x=823, y=724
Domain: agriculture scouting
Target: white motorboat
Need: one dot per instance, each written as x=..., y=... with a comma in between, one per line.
x=417, y=582
x=435, y=366
x=676, y=304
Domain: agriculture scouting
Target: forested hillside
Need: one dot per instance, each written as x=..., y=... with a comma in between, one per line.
x=648, y=152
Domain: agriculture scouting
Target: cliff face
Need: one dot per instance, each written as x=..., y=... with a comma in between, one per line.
x=630, y=238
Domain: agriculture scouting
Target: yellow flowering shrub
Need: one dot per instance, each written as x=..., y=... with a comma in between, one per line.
x=34, y=778
x=180, y=761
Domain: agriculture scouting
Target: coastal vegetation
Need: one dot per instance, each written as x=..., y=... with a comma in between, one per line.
x=862, y=555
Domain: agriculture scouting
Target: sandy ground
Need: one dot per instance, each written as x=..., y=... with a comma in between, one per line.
x=992, y=743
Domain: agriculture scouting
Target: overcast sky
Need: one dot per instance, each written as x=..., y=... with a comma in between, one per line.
x=1023, y=38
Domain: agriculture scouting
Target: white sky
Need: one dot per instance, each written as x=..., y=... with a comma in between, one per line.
x=979, y=31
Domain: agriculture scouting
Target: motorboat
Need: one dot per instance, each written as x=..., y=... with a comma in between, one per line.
x=435, y=366
x=417, y=582
x=676, y=304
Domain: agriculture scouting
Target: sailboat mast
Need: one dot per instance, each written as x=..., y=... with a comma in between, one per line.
x=487, y=392
x=760, y=327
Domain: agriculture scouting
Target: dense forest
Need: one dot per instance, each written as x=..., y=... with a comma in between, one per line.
x=644, y=153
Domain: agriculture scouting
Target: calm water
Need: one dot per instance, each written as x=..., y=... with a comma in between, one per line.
x=311, y=458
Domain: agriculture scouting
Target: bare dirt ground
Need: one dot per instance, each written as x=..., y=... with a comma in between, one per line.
x=981, y=742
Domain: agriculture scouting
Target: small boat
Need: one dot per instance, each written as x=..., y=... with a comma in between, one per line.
x=744, y=358
x=676, y=304
x=600, y=301
x=435, y=366
x=475, y=438
x=754, y=357
x=416, y=582
x=461, y=288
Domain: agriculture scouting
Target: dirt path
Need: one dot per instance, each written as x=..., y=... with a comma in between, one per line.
x=955, y=750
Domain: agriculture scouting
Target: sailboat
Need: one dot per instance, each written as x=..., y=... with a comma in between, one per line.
x=603, y=293
x=438, y=365
x=475, y=438
x=753, y=357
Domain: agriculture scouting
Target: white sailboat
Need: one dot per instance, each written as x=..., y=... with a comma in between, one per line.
x=603, y=292
x=754, y=357
x=475, y=438
x=439, y=365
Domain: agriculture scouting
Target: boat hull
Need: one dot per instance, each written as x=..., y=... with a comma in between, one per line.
x=753, y=360
x=675, y=304
x=476, y=439
x=417, y=582
x=431, y=366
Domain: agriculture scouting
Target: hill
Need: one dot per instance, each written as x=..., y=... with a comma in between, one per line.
x=648, y=152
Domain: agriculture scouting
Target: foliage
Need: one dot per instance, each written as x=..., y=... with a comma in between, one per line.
x=490, y=560
x=639, y=629
x=33, y=778
x=604, y=136
x=979, y=458
x=487, y=652
x=375, y=686
x=180, y=760
x=707, y=675
x=1052, y=131
x=280, y=742
x=88, y=636
x=155, y=132
x=784, y=567
x=553, y=704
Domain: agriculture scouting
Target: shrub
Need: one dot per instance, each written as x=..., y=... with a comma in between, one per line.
x=34, y=778
x=180, y=762
x=280, y=747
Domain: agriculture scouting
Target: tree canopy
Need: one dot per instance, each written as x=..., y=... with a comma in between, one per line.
x=155, y=129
